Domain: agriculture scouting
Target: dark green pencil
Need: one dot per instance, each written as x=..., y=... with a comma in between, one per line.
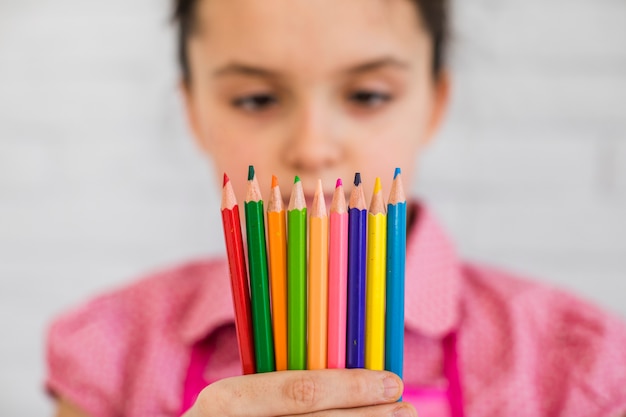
x=259, y=285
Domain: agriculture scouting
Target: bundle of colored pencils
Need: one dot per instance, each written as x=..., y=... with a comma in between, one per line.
x=340, y=307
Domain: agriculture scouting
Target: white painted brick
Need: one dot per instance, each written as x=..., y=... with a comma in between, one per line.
x=514, y=165
x=619, y=165
x=563, y=35
x=490, y=96
x=538, y=62
x=23, y=163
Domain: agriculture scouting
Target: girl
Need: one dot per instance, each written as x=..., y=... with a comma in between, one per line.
x=322, y=89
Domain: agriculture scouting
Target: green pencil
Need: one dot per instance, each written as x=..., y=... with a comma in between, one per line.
x=296, y=279
x=259, y=286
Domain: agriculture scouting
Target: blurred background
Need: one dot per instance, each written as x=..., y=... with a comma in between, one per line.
x=101, y=183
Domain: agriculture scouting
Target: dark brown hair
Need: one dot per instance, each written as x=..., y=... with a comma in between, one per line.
x=434, y=15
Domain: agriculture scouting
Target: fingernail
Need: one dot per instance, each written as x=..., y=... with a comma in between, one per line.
x=402, y=412
x=391, y=387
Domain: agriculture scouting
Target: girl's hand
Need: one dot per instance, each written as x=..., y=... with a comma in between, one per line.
x=336, y=392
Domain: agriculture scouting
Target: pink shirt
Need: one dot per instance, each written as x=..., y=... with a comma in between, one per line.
x=523, y=349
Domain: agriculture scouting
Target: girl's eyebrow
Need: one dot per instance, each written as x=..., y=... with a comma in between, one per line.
x=377, y=64
x=238, y=68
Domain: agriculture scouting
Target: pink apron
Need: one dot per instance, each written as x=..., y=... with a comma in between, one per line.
x=428, y=401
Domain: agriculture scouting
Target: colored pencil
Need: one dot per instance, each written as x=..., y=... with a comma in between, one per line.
x=396, y=258
x=259, y=285
x=357, y=230
x=296, y=279
x=337, y=279
x=238, y=277
x=317, y=342
x=376, y=275
x=277, y=240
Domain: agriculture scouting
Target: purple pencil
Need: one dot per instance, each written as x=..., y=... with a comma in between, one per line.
x=357, y=246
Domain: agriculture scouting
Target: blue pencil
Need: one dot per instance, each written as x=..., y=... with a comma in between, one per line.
x=357, y=246
x=396, y=256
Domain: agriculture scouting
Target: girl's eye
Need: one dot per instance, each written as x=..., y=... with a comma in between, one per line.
x=366, y=98
x=255, y=102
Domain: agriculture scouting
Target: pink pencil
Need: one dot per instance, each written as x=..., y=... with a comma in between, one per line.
x=337, y=279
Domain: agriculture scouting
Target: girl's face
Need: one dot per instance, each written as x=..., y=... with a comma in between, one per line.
x=319, y=89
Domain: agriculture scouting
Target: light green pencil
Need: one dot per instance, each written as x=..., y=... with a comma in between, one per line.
x=296, y=279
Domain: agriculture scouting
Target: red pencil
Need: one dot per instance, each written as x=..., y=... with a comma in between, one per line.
x=238, y=276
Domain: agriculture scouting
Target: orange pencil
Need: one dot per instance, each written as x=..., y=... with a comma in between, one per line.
x=277, y=237
x=318, y=282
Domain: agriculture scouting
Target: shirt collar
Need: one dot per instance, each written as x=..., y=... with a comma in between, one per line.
x=433, y=280
x=212, y=306
x=433, y=284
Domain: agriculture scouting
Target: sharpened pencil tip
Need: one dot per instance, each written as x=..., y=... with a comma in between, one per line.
x=274, y=181
x=250, y=173
x=226, y=179
x=296, y=180
x=339, y=183
x=377, y=185
x=398, y=172
x=357, y=179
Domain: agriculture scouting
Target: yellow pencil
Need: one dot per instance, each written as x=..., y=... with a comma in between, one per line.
x=376, y=275
x=318, y=282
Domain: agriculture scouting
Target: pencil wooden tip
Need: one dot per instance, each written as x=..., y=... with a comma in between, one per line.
x=228, y=195
x=377, y=205
x=250, y=173
x=319, y=205
x=274, y=181
x=398, y=172
x=297, y=200
x=397, y=191
x=377, y=185
x=338, y=203
x=357, y=179
x=296, y=180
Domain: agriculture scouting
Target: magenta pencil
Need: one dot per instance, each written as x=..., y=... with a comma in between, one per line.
x=337, y=279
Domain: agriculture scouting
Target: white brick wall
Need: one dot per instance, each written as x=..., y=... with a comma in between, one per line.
x=99, y=181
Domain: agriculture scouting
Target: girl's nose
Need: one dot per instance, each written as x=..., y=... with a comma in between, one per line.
x=313, y=144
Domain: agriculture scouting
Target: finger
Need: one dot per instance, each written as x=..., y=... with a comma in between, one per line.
x=298, y=392
x=383, y=410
